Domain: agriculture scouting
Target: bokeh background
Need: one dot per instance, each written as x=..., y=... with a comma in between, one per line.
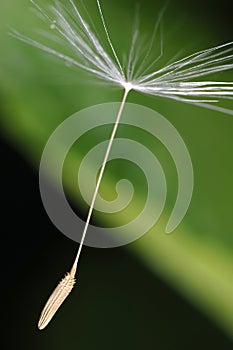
x=164, y=292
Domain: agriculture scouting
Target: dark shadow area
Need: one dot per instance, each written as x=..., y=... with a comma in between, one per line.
x=116, y=304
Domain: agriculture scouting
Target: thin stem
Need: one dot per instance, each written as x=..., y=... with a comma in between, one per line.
x=74, y=267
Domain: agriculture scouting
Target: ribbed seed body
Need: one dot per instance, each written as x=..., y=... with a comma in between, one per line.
x=59, y=294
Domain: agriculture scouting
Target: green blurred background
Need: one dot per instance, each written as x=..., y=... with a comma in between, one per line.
x=164, y=292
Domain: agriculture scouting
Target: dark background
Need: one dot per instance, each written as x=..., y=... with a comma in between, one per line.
x=117, y=303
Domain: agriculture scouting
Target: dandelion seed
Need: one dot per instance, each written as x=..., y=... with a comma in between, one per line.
x=177, y=80
x=58, y=296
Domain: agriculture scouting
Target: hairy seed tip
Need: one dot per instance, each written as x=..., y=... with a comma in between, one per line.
x=58, y=296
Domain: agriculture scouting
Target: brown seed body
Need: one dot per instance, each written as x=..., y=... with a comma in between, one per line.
x=59, y=294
